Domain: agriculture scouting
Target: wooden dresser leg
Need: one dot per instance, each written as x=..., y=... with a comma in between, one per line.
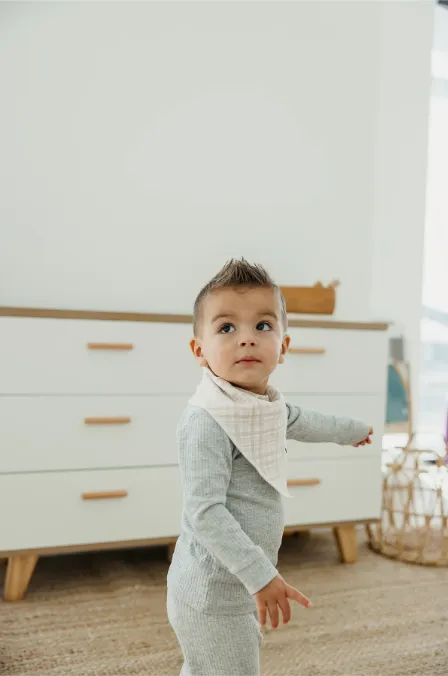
x=346, y=541
x=18, y=575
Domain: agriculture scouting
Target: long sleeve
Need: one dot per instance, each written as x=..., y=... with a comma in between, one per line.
x=311, y=426
x=205, y=458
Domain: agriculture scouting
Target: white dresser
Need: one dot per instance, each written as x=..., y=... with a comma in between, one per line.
x=89, y=404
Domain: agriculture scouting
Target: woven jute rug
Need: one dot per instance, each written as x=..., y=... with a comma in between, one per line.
x=104, y=615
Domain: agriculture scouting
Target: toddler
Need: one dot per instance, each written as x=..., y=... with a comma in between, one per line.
x=223, y=583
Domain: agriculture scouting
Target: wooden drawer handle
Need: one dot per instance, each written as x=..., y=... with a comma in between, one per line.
x=104, y=495
x=307, y=350
x=123, y=420
x=303, y=482
x=110, y=346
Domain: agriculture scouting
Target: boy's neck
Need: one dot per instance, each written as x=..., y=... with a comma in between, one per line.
x=262, y=390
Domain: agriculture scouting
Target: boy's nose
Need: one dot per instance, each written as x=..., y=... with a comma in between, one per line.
x=248, y=341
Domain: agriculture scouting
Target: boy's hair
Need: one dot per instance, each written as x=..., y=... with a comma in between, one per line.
x=238, y=274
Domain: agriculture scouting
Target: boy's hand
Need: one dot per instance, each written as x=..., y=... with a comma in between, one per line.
x=365, y=441
x=277, y=593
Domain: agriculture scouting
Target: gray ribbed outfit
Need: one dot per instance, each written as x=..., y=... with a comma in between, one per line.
x=232, y=528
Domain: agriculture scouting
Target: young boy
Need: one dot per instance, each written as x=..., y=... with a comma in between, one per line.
x=223, y=581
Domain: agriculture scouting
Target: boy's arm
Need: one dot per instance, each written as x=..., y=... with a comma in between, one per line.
x=205, y=458
x=311, y=426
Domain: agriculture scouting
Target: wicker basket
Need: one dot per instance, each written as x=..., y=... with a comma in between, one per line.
x=414, y=520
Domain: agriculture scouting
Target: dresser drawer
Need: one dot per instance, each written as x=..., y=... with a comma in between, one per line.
x=333, y=360
x=48, y=510
x=60, y=433
x=368, y=408
x=334, y=490
x=52, y=356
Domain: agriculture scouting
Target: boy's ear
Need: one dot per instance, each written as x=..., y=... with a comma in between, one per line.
x=285, y=345
x=196, y=348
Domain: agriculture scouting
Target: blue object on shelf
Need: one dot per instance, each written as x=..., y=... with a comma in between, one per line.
x=397, y=410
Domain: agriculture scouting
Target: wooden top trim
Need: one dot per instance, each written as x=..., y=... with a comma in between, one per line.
x=48, y=313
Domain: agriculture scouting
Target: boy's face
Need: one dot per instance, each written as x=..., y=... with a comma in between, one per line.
x=241, y=336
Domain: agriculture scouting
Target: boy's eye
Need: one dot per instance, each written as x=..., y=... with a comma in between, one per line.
x=263, y=326
x=227, y=328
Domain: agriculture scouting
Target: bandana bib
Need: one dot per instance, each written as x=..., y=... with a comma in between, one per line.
x=255, y=423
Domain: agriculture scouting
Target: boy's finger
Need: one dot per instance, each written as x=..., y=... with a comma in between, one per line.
x=273, y=612
x=293, y=593
x=286, y=609
x=262, y=614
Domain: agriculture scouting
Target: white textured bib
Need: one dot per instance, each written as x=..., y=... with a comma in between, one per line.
x=255, y=423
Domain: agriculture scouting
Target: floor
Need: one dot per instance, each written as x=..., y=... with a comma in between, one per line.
x=104, y=615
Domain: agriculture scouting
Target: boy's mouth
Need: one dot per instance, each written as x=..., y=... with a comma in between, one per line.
x=249, y=360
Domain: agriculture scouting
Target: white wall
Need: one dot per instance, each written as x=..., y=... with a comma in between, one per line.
x=143, y=144
x=435, y=285
x=400, y=165
x=440, y=29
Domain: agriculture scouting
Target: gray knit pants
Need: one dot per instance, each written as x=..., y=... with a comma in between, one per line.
x=216, y=645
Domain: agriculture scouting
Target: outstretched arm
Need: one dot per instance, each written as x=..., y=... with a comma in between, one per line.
x=310, y=426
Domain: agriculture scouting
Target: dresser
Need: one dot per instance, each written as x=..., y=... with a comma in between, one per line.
x=89, y=404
